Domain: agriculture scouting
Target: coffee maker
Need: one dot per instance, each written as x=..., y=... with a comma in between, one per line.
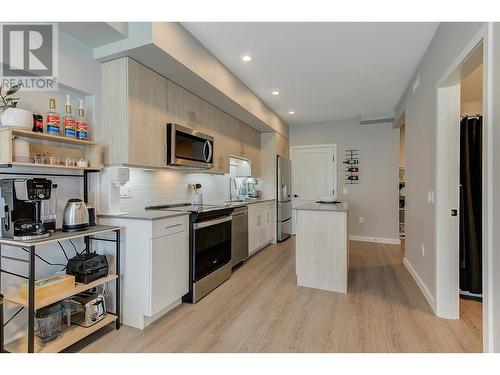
x=20, y=207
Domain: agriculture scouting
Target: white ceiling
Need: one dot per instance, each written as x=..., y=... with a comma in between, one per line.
x=325, y=72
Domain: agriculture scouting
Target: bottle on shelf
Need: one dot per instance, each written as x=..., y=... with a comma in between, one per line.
x=353, y=169
x=81, y=124
x=353, y=178
x=53, y=119
x=37, y=122
x=69, y=121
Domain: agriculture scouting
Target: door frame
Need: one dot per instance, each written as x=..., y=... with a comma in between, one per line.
x=335, y=170
x=447, y=257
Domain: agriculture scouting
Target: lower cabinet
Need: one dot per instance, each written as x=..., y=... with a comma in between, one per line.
x=154, y=266
x=169, y=270
x=260, y=225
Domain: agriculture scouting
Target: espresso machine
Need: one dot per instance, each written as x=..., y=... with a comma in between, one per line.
x=20, y=207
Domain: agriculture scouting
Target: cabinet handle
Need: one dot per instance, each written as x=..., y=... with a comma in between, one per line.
x=172, y=226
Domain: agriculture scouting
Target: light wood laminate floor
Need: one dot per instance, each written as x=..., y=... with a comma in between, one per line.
x=261, y=309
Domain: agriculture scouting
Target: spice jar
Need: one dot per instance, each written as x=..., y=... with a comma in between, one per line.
x=69, y=162
x=53, y=160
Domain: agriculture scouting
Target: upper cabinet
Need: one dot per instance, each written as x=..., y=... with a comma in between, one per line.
x=242, y=141
x=137, y=103
x=184, y=108
x=134, y=103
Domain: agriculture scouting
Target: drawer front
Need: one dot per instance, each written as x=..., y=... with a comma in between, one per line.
x=170, y=226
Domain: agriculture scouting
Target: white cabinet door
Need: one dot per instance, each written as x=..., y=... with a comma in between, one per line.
x=261, y=227
x=253, y=231
x=269, y=225
x=169, y=270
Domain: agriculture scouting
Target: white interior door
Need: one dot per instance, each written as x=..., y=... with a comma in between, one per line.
x=447, y=202
x=314, y=174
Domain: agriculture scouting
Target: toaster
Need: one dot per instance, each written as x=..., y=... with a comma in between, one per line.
x=85, y=309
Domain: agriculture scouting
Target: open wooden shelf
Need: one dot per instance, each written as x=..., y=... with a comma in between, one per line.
x=79, y=287
x=49, y=145
x=19, y=164
x=69, y=337
x=47, y=137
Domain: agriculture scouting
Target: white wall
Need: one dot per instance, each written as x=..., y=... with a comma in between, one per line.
x=375, y=198
x=471, y=108
x=420, y=123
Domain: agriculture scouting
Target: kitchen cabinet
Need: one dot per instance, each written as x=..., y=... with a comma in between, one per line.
x=242, y=141
x=134, y=103
x=260, y=225
x=155, y=266
x=137, y=103
x=185, y=108
x=169, y=270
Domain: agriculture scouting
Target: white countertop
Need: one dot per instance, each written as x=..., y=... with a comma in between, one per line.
x=313, y=206
x=146, y=215
x=157, y=215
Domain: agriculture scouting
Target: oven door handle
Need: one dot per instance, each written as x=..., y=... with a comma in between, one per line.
x=209, y=223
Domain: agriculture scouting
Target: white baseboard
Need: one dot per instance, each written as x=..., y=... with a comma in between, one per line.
x=428, y=296
x=390, y=241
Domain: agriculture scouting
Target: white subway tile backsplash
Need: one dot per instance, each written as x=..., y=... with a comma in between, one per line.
x=149, y=188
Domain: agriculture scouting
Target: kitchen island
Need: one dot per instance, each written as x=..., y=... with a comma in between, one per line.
x=322, y=246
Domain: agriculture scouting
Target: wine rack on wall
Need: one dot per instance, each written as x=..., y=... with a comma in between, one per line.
x=351, y=167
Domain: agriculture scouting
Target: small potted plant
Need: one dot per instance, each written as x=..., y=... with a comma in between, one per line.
x=10, y=115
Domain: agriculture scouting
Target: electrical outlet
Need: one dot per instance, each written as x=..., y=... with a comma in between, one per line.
x=423, y=250
x=125, y=191
x=344, y=191
x=361, y=220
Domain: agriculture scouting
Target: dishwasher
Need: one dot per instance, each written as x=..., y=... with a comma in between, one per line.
x=239, y=236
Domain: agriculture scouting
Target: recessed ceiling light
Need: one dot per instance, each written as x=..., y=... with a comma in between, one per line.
x=275, y=93
x=246, y=58
x=291, y=112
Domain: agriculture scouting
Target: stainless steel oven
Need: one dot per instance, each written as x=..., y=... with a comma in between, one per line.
x=188, y=149
x=211, y=252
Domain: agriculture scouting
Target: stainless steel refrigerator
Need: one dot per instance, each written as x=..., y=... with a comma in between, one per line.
x=284, y=201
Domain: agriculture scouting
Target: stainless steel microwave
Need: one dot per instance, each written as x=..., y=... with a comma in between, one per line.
x=188, y=149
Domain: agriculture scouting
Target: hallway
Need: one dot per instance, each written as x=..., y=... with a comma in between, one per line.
x=261, y=309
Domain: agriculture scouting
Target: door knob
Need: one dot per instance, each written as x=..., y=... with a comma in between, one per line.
x=295, y=196
x=454, y=212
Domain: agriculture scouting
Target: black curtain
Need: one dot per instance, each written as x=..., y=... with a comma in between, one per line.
x=471, y=204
